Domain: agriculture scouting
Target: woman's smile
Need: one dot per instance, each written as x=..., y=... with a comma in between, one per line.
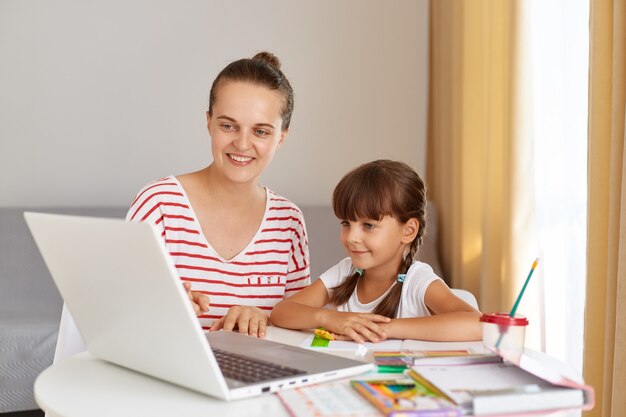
x=239, y=159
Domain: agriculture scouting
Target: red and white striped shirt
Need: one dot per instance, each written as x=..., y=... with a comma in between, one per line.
x=274, y=265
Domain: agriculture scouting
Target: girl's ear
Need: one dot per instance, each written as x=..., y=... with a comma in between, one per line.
x=410, y=229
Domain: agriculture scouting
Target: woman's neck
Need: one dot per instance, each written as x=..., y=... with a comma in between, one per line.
x=228, y=192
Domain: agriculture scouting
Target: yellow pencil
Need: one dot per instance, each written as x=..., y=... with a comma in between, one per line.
x=324, y=334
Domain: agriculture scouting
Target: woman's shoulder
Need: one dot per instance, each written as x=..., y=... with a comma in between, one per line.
x=159, y=187
x=168, y=181
x=160, y=193
x=279, y=203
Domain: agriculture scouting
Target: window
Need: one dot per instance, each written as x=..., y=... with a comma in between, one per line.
x=560, y=62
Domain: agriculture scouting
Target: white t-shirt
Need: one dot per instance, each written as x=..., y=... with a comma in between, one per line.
x=418, y=278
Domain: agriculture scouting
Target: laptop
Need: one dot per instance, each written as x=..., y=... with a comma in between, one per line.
x=131, y=309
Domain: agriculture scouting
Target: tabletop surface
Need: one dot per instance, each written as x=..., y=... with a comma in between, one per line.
x=84, y=385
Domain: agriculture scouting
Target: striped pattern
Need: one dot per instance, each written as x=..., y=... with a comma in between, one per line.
x=275, y=264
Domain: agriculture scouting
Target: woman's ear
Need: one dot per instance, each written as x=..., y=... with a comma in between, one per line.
x=283, y=136
x=208, y=120
x=410, y=229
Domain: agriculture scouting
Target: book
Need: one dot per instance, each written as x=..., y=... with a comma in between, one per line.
x=501, y=386
x=406, y=358
x=405, y=398
x=399, y=361
x=315, y=342
x=311, y=342
x=470, y=358
x=331, y=399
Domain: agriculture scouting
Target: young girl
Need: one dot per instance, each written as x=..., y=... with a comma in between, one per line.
x=238, y=245
x=380, y=291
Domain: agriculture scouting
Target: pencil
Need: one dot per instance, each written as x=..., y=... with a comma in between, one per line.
x=517, y=301
x=323, y=333
x=521, y=293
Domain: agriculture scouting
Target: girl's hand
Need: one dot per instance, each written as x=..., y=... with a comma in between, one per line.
x=199, y=301
x=248, y=320
x=359, y=327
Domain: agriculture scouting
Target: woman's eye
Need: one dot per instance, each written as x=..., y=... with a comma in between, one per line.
x=227, y=126
x=261, y=132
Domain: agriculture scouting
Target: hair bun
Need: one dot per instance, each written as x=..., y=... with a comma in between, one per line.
x=269, y=58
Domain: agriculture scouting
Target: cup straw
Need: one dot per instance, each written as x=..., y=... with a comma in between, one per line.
x=519, y=298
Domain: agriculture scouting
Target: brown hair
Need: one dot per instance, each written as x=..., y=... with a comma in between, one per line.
x=263, y=69
x=372, y=191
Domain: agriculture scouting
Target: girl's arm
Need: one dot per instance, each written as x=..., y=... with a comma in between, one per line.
x=452, y=320
x=305, y=310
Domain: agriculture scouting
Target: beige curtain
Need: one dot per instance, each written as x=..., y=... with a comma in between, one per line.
x=605, y=313
x=480, y=151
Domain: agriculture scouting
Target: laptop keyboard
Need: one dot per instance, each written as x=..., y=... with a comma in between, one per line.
x=244, y=369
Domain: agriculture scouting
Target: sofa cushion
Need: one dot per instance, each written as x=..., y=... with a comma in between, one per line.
x=27, y=291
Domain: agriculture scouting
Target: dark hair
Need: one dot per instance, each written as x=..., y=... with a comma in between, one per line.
x=263, y=69
x=372, y=191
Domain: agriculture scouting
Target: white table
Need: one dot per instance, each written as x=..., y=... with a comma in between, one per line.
x=82, y=385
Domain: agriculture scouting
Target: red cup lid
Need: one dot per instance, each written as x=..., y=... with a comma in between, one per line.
x=504, y=319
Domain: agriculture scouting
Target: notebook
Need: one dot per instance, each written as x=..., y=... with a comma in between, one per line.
x=131, y=309
x=493, y=385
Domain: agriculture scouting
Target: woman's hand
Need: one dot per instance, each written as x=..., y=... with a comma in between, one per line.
x=199, y=301
x=359, y=327
x=248, y=320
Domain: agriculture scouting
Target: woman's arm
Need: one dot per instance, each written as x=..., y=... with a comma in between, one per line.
x=248, y=320
x=452, y=319
x=199, y=301
x=147, y=208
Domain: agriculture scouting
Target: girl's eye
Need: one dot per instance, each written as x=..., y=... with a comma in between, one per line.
x=368, y=226
x=345, y=223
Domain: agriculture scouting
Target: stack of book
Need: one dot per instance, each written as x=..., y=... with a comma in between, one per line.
x=474, y=384
x=398, y=361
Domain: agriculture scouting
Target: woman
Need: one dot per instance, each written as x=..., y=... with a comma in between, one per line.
x=239, y=246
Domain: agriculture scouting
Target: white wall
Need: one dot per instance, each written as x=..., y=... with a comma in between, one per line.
x=99, y=97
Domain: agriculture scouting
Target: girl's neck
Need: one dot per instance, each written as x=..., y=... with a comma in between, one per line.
x=383, y=274
x=375, y=283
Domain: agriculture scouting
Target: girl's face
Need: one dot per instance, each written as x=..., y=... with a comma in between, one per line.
x=245, y=129
x=377, y=245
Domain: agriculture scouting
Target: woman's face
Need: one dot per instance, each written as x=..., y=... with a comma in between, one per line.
x=245, y=128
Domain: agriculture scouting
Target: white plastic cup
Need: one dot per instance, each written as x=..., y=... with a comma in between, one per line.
x=504, y=334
